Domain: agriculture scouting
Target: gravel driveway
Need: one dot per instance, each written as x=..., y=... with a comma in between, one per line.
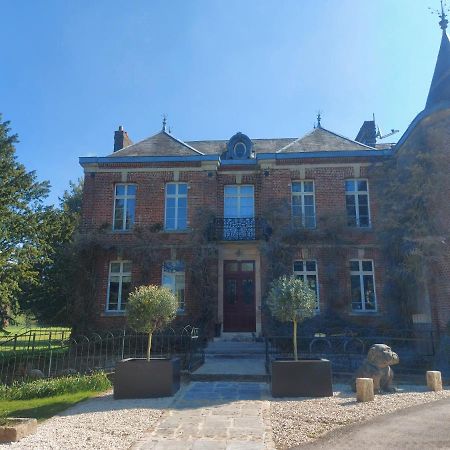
x=295, y=422
x=101, y=423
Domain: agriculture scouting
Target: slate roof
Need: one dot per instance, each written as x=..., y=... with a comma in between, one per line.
x=322, y=140
x=164, y=144
x=215, y=147
x=161, y=144
x=440, y=85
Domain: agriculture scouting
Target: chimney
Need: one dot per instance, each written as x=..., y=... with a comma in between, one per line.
x=121, y=139
x=368, y=133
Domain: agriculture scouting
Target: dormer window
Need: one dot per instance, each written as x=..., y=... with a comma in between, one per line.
x=239, y=150
x=239, y=147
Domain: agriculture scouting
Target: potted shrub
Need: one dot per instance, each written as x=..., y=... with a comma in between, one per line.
x=292, y=300
x=149, y=309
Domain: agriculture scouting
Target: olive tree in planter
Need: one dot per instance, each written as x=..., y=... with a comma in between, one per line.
x=149, y=309
x=292, y=300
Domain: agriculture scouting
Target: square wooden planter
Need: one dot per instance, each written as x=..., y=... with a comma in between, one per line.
x=17, y=428
x=302, y=378
x=139, y=378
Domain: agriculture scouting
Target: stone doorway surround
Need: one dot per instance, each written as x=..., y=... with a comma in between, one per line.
x=243, y=251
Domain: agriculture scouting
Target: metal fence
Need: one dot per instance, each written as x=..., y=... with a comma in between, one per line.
x=100, y=351
x=346, y=351
x=35, y=339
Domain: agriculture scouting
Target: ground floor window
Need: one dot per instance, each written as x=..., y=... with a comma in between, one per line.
x=306, y=270
x=119, y=285
x=173, y=277
x=362, y=285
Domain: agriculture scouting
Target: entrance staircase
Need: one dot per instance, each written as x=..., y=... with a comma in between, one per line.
x=233, y=357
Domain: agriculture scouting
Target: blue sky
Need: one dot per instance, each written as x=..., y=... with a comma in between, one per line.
x=74, y=70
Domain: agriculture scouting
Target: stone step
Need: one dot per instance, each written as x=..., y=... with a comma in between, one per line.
x=229, y=377
x=236, y=337
x=231, y=369
x=235, y=348
x=235, y=356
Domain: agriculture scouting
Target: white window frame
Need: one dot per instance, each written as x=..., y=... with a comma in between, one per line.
x=176, y=196
x=355, y=194
x=304, y=276
x=125, y=198
x=173, y=284
x=360, y=272
x=302, y=195
x=239, y=196
x=121, y=275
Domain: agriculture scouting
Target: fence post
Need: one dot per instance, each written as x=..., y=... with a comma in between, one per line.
x=50, y=364
x=123, y=342
x=34, y=340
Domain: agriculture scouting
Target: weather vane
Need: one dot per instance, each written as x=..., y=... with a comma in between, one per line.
x=442, y=14
x=319, y=118
x=164, y=122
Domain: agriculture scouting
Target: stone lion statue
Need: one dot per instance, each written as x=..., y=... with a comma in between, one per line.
x=377, y=366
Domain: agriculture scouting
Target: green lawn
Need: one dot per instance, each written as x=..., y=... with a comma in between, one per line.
x=40, y=338
x=42, y=408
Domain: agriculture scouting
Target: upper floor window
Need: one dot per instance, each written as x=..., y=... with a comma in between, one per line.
x=119, y=285
x=363, y=285
x=176, y=206
x=239, y=201
x=173, y=278
x=307, y=272
x=124, y=206
x=303, y=204
x=357, y=202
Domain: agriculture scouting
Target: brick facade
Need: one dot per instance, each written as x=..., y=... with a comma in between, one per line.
x=206, y=191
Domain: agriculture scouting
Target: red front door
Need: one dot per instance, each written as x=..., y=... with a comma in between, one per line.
x=239, y=311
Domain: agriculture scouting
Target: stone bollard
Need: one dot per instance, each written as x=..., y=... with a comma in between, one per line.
x=364, y=390
x=434, y=380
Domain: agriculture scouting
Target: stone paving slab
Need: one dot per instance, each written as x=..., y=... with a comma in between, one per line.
x=214, y=415
x=232, y=366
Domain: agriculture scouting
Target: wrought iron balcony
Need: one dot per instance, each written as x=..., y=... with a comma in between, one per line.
x=239, y=229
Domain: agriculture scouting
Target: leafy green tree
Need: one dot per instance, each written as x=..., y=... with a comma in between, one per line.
x=291, y=300
x=22, y=223
x=151, y=308
x=48, y=297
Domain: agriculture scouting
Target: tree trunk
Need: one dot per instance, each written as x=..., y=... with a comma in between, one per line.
x=295, y=340
x=149, y=347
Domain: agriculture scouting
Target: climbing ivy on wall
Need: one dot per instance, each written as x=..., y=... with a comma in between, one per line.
x=413, y=229
x=147, y=249
x=282, y=248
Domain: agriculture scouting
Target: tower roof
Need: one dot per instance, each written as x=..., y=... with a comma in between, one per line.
x=440, y=85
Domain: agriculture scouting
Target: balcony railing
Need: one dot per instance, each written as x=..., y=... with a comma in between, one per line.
x=239, y=229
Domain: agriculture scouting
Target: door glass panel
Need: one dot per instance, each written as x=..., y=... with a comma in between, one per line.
x=247, y=266
x=247, y=291
x=230, y=291
x=231, y=266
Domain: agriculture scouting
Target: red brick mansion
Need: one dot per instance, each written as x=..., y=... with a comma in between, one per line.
x=216, y=220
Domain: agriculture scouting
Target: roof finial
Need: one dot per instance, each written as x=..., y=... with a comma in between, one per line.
x=319, y=118
x=444, y=22
x=442, y=15
x=164, y=122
